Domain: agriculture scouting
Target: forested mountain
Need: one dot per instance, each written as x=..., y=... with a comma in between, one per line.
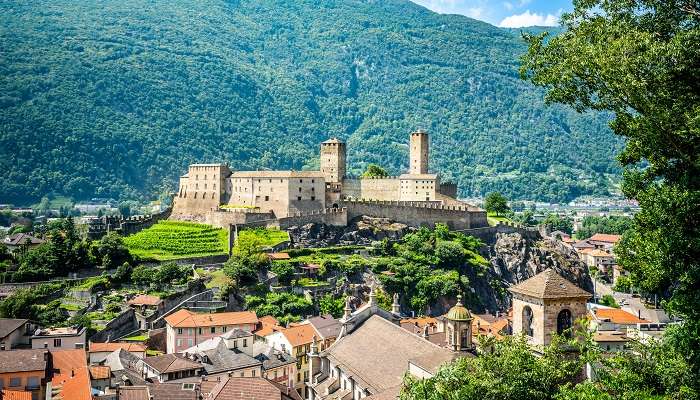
x=115, y=98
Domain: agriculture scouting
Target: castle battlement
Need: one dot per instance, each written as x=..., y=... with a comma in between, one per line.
x=212, y=192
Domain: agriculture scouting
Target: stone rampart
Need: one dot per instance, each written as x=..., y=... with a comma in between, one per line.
x=418, y=213
x=124, y=226
x=124, y=323
x=222, y=218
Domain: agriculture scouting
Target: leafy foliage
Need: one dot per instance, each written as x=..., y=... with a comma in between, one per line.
x=639, y=60
x=557, y=222
x=374, y=171
x=115, y=99
x=286, y=307
x=168, y=240
x=427, y=265
x=330, y=305
x=496, y=203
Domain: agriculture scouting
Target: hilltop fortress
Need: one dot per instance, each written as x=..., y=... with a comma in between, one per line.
x=214, y=194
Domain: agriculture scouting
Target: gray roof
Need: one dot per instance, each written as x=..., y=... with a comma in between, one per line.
x=273, y=358
x=124, y=366
x=22, y=360
x=8, y=325
x=236, y=333
x=326, y=326
x=171, y=363
x=22, y=238
x=377, y=353
x=223, y=359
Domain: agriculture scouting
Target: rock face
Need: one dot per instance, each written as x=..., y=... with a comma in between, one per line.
x=361, y=231
x=515, y=259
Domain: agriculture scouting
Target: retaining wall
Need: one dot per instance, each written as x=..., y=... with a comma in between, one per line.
x=121, y=325
x=418, y=214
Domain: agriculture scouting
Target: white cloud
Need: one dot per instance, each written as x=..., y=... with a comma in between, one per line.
x=529, y=19
x=475, y=12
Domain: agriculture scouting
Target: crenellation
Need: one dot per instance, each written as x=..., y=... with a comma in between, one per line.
x=213, y=193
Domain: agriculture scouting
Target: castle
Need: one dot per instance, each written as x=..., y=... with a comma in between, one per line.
x=214, y=194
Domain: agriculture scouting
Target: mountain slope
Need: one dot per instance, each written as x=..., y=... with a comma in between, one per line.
x=115, y=98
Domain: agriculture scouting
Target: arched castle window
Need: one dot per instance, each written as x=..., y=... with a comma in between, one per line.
x=464, y=338
x=527, y=321
x=195, y=195
x=564, y=322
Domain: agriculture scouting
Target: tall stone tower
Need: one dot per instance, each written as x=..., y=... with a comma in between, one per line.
x=420, y=144
x=333, y=160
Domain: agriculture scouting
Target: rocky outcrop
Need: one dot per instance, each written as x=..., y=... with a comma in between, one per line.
x=514, y=259
x=361, y=231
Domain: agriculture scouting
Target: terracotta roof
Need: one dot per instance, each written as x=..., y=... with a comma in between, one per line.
x=21, y=238
x=299, y=335
x=8, y=325
x=238, y=388
x=610, y=336
x=421, y=321
x=599, y=253
x=268, y=320
x=111, y=346
x=71, y=376
x=549, y=285
x=171, y=363
x=99, y=372
x=604, y=237
x=145, y=300
x=617, y=316
x=188, y=319
x=22, y=360
x=278, y=256
x=377, y=353
x=15, y=395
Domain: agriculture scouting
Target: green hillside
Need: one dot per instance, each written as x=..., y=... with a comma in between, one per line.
x=116, y=98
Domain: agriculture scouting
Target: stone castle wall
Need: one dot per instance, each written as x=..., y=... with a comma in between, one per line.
x=418, y=214
x=385, y=189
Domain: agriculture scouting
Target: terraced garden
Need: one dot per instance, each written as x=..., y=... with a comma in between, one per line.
x=169, y=240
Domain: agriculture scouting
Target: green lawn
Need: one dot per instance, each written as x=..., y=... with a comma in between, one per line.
x=494, y=220
x=169, y=240
x=218, y=278
x=264, y=237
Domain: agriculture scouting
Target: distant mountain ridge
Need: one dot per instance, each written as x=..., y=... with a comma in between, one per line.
x=115, y=99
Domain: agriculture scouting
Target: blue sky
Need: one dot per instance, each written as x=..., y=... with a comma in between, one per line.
x=505, y=13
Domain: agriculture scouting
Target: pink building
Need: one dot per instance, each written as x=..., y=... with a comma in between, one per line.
x=185, y=328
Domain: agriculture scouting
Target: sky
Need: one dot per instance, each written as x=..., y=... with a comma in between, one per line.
x=504, y=13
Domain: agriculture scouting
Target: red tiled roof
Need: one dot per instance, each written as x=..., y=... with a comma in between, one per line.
x=278, y=256
x=145, y=300
x=100, y=372
x=604, y=237
x=299, y=335
x=72, y=379
x=15, y=395
x=111, y=346
x=617, y=316
x=188, y=319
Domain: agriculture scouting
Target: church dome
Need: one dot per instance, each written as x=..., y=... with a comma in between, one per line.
x=459, y=312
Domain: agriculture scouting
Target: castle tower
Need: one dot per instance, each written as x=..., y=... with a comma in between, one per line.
x=459, y=327
x=420, y=143
x=333, y=160
x=546, y=304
